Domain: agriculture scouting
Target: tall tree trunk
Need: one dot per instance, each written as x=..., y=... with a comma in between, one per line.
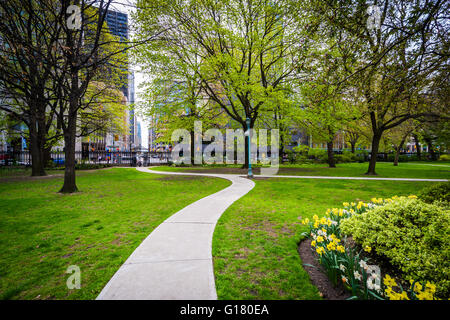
x=70, y=132
x=353, y=144
x=69, y=162
x=35, y=155
x=373, y=154
x=397, y=153
x=416, y=142
x=331, y=159
x=36, y=146
x=397, y=150
x=430, y=148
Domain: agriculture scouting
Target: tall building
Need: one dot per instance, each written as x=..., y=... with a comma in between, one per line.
x=118, y=25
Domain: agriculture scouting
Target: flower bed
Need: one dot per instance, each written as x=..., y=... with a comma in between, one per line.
x=350, y=264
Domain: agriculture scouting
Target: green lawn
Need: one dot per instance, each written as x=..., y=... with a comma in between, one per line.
x=435, y=170
x=43, y=232
x=255, y=241
x=255, y=254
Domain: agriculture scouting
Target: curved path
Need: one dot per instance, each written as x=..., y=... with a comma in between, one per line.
x=175, y=261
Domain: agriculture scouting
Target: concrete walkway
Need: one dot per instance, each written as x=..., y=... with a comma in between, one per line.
x=175, y=261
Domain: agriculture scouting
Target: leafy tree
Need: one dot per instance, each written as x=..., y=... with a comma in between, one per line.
x=398, y=135
x=28, y=38
x=247, y=55
x=396, y=59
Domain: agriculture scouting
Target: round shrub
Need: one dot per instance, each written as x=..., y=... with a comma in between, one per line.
x=438, y=192
x=412, y=234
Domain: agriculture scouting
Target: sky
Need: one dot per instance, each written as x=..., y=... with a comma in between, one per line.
x=128, y=6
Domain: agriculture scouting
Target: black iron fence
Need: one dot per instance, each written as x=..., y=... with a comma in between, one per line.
x=115, y=158
x=133, y=159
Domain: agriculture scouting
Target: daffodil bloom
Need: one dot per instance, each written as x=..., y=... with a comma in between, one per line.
x=404, y=296
x=344, y=279
x=417, y=287
x=357, y=275
x=331, y=246
x=431, y=287
x=313, y=243
x=388, y=281
x=363, y=265
x=320, y=250
x=340, y=249
x=367, y=249
x=319, y=239
x=342, y=267
x=315, y=217
x=388, y=290
x=412, y=197
x=345, y=204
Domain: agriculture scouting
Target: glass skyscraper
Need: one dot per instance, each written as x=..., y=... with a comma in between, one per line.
x=118, y=25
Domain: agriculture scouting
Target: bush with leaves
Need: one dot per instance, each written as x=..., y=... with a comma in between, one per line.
x=439, y=192
x=412, y=234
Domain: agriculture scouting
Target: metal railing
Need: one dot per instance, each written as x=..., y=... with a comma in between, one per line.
x=115, y=158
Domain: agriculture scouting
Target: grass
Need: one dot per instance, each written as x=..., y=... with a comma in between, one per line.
x=384, y=169
x=255, y=241
x=43, y=232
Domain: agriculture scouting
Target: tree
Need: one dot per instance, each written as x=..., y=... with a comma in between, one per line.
x=246, y=54
x=397, y=137
x=87, y=54
x=328, y=107
x=28, y=38
x=395, y=59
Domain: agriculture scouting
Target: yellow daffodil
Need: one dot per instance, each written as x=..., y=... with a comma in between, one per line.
x=367, y=249
x=388, y=281
x=320, y=250
x=313, y=243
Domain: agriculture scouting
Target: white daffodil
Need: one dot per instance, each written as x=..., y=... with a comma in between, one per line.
x=363, y=265
x=342, y=267
x=370, y=284
x=357, y=275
